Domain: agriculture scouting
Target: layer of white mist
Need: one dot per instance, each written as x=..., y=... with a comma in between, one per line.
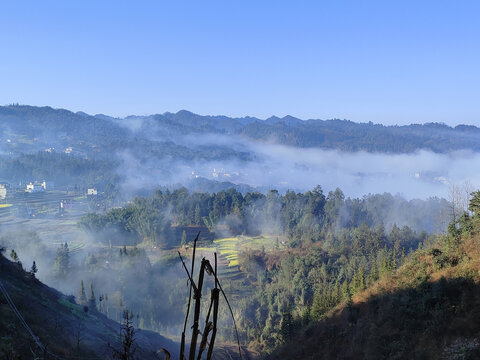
x=421, y=174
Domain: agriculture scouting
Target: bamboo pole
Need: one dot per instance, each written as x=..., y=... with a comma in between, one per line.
x=182, y=344
x=215, y=298
x=198, y=297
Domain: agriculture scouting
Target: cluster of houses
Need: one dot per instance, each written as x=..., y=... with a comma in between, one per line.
x=7, y=189
x=32, y=187
x=36, y=187
x=67, y=150
x=219, y=173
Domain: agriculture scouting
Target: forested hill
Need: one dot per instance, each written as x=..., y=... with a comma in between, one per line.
x=32, y=128
x=428, y=308
x=66, y=329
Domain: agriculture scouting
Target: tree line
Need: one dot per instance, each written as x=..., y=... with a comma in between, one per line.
x=303, y=217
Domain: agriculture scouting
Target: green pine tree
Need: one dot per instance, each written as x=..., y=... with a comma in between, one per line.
x=184, y=238
x=361, y=279
x=33, y=269
x=198, y=218
x=306, y=315
x=346, y=293
x=61, y=264
x=82, y=298
x=13, y=255
x=92, y=304
x=287, y=325
x=316, y=309
x=403, y=256
x=128, y=343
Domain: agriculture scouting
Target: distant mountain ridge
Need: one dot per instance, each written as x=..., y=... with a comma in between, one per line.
x=44, y=125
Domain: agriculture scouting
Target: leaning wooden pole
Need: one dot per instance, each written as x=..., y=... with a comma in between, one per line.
x=215, y=298
x=196, y=315
x=182, y=344
x=206, y=332
x=207, y=328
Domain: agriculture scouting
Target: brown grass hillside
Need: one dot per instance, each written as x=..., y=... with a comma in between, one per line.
x=429, y=308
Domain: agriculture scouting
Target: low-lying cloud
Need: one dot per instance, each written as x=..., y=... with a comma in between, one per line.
x=421, y=174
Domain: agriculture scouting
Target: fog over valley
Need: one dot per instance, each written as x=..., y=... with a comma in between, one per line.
x=421, y=174
x=267, y=163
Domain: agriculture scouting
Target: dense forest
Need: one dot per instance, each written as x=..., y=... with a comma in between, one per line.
x=425, y=309
x=303, y=218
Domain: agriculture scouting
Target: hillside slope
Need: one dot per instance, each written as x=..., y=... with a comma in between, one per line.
x=61, y=325
x=428, y=309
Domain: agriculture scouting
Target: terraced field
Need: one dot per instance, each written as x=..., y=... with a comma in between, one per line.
x=228, y=247
x=228, y=250
x=76, y=246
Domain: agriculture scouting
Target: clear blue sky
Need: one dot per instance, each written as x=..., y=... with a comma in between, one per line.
x=383, y=61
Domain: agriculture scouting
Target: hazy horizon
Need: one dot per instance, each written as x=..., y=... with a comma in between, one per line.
x=245, y=116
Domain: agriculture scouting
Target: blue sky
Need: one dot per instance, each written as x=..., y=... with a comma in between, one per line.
x=393, y=62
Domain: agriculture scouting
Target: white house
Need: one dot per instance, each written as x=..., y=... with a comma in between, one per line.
x=3, y=191
x=47, y=185
x=92, y=191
